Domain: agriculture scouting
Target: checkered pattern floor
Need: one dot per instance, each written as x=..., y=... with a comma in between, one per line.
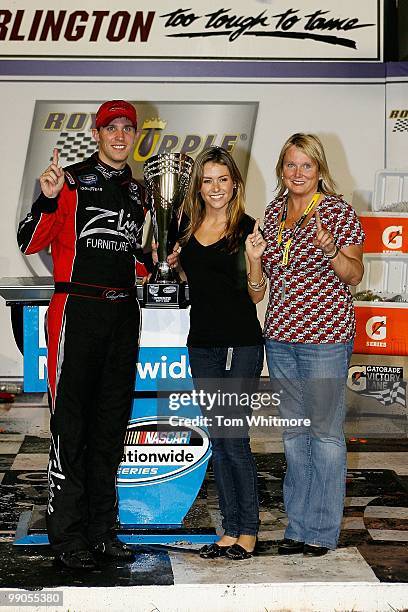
x=373, y=543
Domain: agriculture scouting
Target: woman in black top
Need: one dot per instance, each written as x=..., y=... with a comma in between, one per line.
x=225, y=339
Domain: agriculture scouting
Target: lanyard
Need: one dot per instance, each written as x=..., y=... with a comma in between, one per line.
x=288, y=243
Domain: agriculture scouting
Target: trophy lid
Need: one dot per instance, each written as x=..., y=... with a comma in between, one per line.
x=167, y=177
x=175, y=163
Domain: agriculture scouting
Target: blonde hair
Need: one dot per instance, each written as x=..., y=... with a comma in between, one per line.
x=311, y=146
x=194, y=205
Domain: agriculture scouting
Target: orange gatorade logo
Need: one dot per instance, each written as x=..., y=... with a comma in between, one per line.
x=376, y=328
x=392, y=237
x=385, y=234
x=382, y=331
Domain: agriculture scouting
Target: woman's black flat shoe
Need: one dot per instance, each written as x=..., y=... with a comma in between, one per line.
x=213, y=551
x=290, y=547
x=238, y=552
x=314, y=551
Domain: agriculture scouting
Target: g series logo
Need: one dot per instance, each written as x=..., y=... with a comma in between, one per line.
x=376, y=328
x=392, y=237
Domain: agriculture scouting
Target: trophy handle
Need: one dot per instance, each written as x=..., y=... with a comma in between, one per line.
x=162, y=225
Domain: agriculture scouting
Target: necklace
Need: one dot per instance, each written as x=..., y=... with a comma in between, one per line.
x=288, y=243
x=295, y=229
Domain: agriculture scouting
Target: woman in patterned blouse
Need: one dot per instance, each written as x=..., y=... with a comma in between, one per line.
x=313, y=253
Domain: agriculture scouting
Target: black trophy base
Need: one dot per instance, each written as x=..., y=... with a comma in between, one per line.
x=165, y=295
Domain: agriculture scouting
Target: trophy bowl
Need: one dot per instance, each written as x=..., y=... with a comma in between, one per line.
x=167, y=177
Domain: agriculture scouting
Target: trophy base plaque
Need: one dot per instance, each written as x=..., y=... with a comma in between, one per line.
x=165, y=295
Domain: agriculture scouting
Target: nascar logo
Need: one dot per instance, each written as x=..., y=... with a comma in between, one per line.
x=157, y=437
x=88, y=179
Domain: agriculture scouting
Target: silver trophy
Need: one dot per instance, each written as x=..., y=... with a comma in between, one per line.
x=166, y=178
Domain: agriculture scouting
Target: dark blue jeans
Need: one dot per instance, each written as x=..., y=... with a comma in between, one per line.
x=233, y=464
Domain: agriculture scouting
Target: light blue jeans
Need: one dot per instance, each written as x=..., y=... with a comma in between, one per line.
x=312, y=381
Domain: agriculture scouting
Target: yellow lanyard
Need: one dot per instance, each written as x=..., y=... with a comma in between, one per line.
x=288, y=243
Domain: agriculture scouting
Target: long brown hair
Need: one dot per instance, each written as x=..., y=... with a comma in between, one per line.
x=194, y=205
x=311, y=146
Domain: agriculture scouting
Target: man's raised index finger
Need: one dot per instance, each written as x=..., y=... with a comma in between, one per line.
x=55, y=156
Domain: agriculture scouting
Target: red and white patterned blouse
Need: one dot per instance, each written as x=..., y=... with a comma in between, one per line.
x=307, y=300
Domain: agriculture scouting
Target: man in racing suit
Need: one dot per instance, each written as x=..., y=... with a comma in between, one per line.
x=92, y=215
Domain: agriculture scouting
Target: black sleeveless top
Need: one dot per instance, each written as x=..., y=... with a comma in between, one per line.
x=222, y=312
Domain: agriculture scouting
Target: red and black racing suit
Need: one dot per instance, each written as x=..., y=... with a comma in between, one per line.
x=94, y=228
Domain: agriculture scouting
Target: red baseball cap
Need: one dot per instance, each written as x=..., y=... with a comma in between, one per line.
x=113, y=109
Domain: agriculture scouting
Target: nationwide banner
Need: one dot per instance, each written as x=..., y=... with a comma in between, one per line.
x=252, y=29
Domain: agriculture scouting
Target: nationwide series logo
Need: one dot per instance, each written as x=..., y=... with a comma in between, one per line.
x=157, y=451
x=400, y=120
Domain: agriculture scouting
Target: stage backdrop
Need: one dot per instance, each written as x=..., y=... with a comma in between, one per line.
x=397, y=117
x=51, y=85
x=251, y=29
